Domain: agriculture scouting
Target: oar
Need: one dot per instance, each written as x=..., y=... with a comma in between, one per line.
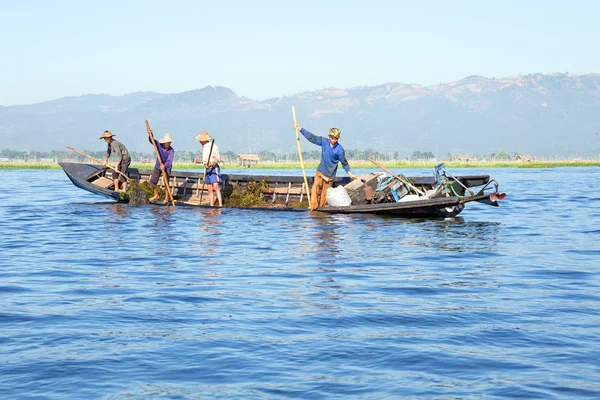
x=205, y=169
x=98, y=161
x=300, y=155
x=407, y=183
x=162, y=166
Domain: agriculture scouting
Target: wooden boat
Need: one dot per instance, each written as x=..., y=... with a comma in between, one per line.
x=443, y=197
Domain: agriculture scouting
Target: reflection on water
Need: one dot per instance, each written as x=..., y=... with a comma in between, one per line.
x=326, y=241
x=120, y=210
x=164, y=215
x=210, y=224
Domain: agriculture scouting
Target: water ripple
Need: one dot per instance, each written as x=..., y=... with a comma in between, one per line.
x=104, y=300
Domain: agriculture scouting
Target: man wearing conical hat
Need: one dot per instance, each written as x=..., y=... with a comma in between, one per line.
x=332, y=153
x=211, y=157
x=166, y=153
x=123, y=159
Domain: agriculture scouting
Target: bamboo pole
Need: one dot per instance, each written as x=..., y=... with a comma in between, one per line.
x=205, y=169
x=407, y=183
x=300, y=156
x=98, y=161
x=162, y=166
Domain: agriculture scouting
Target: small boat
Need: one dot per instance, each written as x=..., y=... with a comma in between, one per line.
x=441, y=195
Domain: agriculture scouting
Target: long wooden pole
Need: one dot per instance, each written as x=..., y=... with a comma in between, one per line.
x=300, y=156
x=98, y=161
x=407, y=183
x=205, y=169
x=162, y=166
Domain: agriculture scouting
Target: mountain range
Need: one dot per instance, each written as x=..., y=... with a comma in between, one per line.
x=542, y=114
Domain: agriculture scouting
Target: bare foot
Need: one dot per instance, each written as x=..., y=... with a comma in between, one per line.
x=153, y=198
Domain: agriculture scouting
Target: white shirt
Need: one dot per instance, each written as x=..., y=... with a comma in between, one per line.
x=214, y=155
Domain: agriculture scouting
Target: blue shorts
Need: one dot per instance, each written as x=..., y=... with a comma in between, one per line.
x=213, y=175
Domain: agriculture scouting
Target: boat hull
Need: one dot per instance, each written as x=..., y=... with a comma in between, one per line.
x=280, y=193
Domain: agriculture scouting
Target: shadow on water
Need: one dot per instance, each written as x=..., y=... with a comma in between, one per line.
x=454, y=235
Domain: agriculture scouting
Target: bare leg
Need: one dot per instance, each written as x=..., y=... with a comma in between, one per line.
x=124, y=186
x=155, y=195
x=217, y=189
x=116, y=181
x=211, y=196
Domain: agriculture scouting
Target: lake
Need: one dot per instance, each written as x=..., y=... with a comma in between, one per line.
x=105, y=300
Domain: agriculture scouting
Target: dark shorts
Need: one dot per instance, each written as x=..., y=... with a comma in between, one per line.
x=123, y=165
x=213, y=175
x=156, y=174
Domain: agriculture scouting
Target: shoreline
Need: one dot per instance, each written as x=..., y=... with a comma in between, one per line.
x=353, y=164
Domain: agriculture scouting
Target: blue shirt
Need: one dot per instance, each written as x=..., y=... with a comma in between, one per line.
x=330, y=155
x=165, y=155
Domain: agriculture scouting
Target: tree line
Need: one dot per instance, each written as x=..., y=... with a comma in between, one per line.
x=182, y=156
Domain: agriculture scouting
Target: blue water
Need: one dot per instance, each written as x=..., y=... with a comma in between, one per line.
x=103, y=300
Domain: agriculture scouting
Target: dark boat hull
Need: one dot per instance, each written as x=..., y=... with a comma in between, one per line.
x=282, y=193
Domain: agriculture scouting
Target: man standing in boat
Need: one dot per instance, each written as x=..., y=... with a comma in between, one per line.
x=166, y=153
x=210, y=158
x=332, y=153
x=123, y=159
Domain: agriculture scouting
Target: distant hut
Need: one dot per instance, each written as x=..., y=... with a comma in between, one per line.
x=463, y=158
x=248, y=159
x=524, y=158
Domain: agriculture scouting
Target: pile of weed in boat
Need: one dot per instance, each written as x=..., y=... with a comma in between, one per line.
x=248, y=196
x=139, y=193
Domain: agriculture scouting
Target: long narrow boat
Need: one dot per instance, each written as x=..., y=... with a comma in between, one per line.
x=441, y=195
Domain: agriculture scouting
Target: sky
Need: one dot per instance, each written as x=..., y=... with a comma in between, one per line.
x=265, y=49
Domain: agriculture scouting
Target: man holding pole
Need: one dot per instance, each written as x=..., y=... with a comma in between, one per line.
x=165, y=163
x=212, y=171
x=332, y=153
x=123, y=159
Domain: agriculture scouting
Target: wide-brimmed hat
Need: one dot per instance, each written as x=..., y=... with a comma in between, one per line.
x=106, y=134
x=166, y=139
x=203, y=136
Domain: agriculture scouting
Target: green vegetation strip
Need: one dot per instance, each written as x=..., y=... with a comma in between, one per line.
x=353, y=164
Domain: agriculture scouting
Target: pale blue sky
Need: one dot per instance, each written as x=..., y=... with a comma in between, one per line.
x=262, y=49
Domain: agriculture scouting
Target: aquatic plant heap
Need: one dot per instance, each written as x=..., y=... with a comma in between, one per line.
x=139, y=193
x=248, y=196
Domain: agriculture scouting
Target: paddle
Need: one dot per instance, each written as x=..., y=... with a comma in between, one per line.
x=206, y=162
x=162, y=166
x=407, y=183
x=300, y=155
x=98, y=161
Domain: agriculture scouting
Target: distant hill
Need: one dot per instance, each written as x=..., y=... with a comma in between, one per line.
x=557, y=114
